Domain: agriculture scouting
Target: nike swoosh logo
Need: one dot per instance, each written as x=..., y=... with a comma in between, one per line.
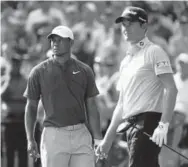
x=75, y=72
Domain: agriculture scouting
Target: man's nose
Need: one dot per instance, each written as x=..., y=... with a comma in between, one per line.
x=127, y=28
x=55, y=43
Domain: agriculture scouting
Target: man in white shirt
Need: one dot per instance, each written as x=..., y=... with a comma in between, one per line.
x=147, y=93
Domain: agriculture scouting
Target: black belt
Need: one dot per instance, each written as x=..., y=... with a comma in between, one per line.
x=136, y=119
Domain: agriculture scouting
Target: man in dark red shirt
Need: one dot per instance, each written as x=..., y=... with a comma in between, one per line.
x=64, y=85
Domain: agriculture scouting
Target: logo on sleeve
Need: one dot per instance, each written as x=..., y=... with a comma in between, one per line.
x=163, y=64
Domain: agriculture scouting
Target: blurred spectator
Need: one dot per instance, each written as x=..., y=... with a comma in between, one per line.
x=73, y=15
x=107, y=62
x=145, y=5
x=22, y=41
x=181, y=79
x=158, y=32
x=14, y=130
x=179, y=42
x=179, y=123
x=38, y=51
x=18, y=43
x=15, y=38
x=179, y=7
x=45, y=14
x=118, y=6
x=105, y=35
x=181, y=107
x=13, y=30
x=86, y=35
x=107, y=20
x=112, y=51
x=5, y=74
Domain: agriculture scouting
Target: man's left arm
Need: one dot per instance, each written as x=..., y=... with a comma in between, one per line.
x=163, y=70
x=94, y=118
x=92, y=109
x=170, y=94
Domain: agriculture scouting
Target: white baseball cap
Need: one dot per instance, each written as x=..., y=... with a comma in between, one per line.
x=62, y=31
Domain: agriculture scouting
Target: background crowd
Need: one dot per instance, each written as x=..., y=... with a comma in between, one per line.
x=98, y=43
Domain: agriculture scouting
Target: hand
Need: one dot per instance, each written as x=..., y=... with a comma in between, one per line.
x=33, y=150
x=97, y=139
x=160, y=134
x=97, y=142
x=103, y=148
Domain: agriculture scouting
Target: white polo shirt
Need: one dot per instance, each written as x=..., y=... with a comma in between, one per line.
x=141, y=88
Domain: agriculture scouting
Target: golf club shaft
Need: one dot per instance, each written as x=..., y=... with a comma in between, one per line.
x=164, y=144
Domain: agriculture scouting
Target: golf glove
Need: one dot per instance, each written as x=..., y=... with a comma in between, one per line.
x=160, y=134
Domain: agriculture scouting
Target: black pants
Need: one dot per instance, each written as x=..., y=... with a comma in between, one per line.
x=142, y=151
x=15, y=141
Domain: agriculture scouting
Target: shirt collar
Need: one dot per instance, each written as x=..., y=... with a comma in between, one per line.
x=65, y=65
x=141, y=44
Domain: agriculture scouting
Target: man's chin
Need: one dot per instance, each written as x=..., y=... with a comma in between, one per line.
x=129, y=39
x=125, y=37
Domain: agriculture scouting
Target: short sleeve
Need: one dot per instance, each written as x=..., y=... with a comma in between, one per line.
x=33, y=89
x=91, y=89
x=160, y=61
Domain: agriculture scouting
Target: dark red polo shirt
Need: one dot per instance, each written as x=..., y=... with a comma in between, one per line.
x=63, y=90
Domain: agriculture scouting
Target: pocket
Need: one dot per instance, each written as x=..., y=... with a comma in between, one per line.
x=47, y=137
x=88, y=136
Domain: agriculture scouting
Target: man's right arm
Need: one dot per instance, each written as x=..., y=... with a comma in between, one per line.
x=116, y=120
x=30, y=118
x=104, y=147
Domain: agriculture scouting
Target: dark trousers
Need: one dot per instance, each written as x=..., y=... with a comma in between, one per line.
x=15, y=141
x=142, y=151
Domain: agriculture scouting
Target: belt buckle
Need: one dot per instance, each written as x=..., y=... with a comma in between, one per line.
x=133, y=119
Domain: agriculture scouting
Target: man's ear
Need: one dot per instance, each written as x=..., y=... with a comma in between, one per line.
x=71, y=42
x=144, y=26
